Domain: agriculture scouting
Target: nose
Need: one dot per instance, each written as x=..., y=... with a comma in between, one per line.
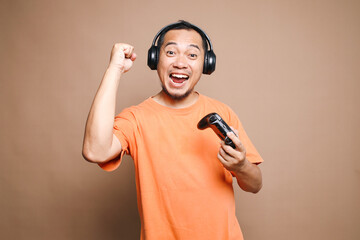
x=180, y=61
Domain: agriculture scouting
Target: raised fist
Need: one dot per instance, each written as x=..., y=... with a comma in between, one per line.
x=122, y=56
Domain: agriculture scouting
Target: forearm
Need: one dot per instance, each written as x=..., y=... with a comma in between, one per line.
x=98, y=137
x=249, y=177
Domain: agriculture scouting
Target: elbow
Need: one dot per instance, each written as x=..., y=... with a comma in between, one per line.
x=251, y=188
x=256, y=189
x=88, y=156
x=92, y=157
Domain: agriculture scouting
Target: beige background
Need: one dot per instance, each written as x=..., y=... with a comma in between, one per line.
x=290, y=69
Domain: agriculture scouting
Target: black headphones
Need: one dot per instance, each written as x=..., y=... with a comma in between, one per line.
x=153, y=53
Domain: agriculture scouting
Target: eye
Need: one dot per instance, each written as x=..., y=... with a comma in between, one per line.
x=170, y=53
x=193, y=55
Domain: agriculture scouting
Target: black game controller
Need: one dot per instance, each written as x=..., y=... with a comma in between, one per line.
x=219, y=126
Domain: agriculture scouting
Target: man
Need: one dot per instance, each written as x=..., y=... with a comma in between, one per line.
x=183, y=174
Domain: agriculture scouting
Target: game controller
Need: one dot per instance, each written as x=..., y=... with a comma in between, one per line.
x=216, y=123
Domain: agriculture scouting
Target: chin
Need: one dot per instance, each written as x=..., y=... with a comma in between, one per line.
x=177, y=96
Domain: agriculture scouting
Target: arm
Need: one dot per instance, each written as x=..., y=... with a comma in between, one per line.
x=248, y=175
x=100, y=144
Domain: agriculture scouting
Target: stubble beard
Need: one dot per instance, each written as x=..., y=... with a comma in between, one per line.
x=176, y=97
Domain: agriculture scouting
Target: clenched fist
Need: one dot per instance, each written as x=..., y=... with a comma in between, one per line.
x=122, y=57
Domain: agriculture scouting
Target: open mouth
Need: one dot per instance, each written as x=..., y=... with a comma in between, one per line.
x=178, y=77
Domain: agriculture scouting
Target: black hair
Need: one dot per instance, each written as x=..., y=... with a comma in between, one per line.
x=181, y=24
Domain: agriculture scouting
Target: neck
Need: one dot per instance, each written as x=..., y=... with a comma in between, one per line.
x=165, y=100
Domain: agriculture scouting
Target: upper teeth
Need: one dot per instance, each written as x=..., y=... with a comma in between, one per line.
x=179, y=76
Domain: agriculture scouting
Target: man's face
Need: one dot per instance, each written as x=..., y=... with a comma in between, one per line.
x=181, y=61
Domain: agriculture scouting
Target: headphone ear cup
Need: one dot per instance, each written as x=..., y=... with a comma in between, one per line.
x=152, y=57
x=206, y=65
x=209, y=62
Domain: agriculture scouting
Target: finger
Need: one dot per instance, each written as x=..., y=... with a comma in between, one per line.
x=222, y=159
x=133, y=57
x=227, y=149
x=236, y=141
x=236, y=131
x=225, y=154
x=128, y=51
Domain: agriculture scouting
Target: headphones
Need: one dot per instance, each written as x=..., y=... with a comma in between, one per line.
x=153, y=53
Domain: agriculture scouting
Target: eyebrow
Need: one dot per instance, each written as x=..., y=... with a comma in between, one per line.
x=174, y=43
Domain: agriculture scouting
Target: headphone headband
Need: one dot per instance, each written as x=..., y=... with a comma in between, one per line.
x=174, y=25
x=209, y=58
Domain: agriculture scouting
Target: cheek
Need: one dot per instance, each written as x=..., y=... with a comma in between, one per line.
x=161, y=68
x=198, y=68
x=200, y=64
x=163, y=65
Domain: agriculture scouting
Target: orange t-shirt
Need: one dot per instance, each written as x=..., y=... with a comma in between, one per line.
x=183, y=190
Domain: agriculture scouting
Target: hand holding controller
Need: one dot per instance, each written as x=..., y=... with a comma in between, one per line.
x=216, y=123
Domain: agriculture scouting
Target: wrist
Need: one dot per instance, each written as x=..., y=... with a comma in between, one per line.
x=243, y=167
x=113, y=66
x=114, y=70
